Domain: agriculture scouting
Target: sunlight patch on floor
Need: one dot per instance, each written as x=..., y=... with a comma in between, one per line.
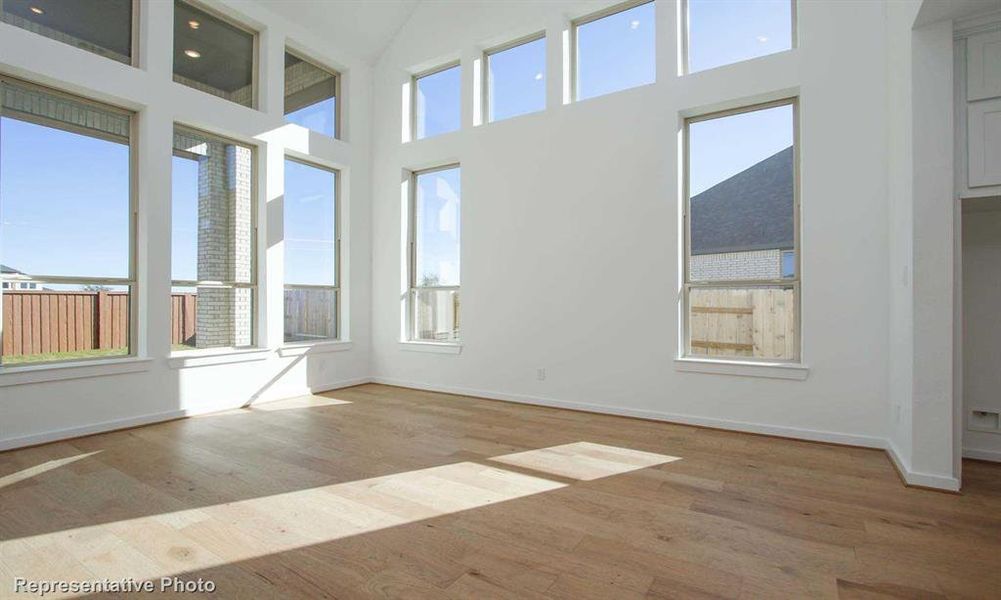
x=585, y=460
x=310, y=401
x=30, y=472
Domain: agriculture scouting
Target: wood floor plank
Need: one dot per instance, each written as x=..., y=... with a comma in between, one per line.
x=383, y=492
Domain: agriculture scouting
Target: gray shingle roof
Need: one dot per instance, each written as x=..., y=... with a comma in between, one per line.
x=753, y=210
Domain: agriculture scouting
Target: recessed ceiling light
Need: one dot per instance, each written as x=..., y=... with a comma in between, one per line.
x=634, y=24
x=36, y=10
x=194, y=24
x=192, y=53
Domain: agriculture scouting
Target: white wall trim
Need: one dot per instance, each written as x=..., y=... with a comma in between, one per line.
x=991, y=455
x=136, y=421
x=929, y=480
x=761, y=428
x=26, y=374
x=200, y=358
x=315, y=348
x=742, y=368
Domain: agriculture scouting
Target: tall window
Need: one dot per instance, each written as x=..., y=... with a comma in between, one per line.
x=213, y=242
x=435, y=219
x=614, y=50
x=516, y=78
x=312, y=253
x=742, y=238
x=721, y=32
x=103, y=27
x=436, y=101
x=214, y=55
x=311, y=95
x=66, y=223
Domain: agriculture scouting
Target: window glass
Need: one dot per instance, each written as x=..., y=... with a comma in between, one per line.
x=437, y=231
x=65, y=227
x=516, y=80
x=437, y=103
x=616, y=52
x=310, y=241
x=310, y=96
x=100, y=26
x=742, y=235
x=721, y=32
x=212, y=241
x=212, y=55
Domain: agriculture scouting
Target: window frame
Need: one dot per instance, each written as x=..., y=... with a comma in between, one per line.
x=254, y=284
x=412, y=288
x=685, y=39
x=290, y=49
x=794, y=282
x=255, y=69
x=576, y=24
x=486, y=79
x=414, y=78
x=336, y=287
x=131, y=282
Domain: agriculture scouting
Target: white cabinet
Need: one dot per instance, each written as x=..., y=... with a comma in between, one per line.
x=984, y=131
x=983, y=109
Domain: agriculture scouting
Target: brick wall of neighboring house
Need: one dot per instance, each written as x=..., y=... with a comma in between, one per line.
x=758, y=264
x=301, y=75
x=224, y=316
x=33, y=103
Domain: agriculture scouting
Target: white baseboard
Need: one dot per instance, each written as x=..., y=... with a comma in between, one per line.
x=136, y=421
x=911, y=477
x=776, y=430
x=991, y=455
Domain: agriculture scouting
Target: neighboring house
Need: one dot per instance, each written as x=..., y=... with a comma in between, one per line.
x=742, y=227
x=11, y=279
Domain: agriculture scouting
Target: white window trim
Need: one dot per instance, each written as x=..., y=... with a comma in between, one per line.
x=216, y=356
x=432, y=347
x=321, y=347
x=794, y=282
x=28, y=373
x=719, y=366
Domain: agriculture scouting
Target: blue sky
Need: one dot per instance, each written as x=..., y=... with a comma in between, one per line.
x=319, y=117
x=77, y=223
x=438, y=226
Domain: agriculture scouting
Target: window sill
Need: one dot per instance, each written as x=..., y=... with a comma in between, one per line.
x=742, y=368
x=433, y=347
x=315, y=348
x=72, y=370
x=204, y=358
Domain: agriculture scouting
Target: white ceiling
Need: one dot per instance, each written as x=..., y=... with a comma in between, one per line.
x=364, y=27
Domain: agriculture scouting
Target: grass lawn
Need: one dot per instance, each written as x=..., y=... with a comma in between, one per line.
x=20, y=359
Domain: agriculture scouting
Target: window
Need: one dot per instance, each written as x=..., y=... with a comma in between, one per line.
x=213, y=55
x=516, y=78
x=742, y=238
x=435, y=218
x=103, y=27
x=311, y=95
x=213, y=242
x=721, y=32
x=66, y=223
x=614, y=50
x=436, y=102
x=312, y=253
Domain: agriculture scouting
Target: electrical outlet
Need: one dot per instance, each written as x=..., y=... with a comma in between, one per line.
x=985, y=420
x=540, y=374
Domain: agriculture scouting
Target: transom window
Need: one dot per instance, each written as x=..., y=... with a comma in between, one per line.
x=614, y=50
x=436, y=101
x=104, y=27
x=722, y=32
x=311, y=95
x=312, y=252
x=435, y=223
x=214, y=55
x=742, y=237
x=66, y=221
x=516, y=78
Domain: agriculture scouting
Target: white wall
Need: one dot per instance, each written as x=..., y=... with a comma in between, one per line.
x=570, y=227
x=982, y=327
x=35, y=412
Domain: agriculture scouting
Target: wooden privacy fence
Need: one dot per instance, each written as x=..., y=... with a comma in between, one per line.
x=758, y=322
x=43, y=321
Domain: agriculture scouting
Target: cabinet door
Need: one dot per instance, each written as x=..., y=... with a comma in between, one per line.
x=984, y=131
x=983, y=66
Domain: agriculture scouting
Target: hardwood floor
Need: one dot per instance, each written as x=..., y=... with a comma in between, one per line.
x=376, y=491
